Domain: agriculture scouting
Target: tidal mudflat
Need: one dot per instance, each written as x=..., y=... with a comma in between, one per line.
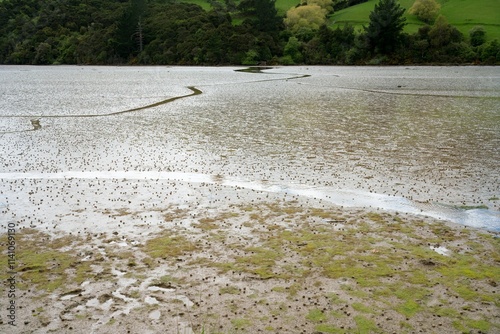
x=289, y=200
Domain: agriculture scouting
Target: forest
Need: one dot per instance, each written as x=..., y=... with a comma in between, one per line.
x=230, y=32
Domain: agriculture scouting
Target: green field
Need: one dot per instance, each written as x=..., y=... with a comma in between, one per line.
x=463, y=14
x=284, y=5
x=281, y=5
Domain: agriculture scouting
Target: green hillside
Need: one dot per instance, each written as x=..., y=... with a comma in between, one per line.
x=281, y=5
x=210, y=32
x=463, y=14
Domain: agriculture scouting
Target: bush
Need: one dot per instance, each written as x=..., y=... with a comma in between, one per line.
x=490, y=52
x=442, y=33
x=251, y=58
x=292, y=50
x=477, y=36
x=425, y=10
x=287, y=60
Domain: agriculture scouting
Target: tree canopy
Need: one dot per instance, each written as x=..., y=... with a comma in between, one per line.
x=383, y=33
x=170, y=32
x=425, y=10
x=305, y=17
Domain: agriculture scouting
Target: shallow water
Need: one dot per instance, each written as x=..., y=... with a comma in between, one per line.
x=422, y=140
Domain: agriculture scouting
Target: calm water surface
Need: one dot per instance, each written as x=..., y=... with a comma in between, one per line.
x=410, y=139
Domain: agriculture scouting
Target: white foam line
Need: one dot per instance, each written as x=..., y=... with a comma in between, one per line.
x=487, y=219
x=351, y=198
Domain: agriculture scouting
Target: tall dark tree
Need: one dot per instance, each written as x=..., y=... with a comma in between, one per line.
x=263, y=14
x=264, y=24
x=384, y=31
x=130, y=29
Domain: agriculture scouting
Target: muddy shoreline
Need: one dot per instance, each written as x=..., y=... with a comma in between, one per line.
x=263, y=205
x=260, y=263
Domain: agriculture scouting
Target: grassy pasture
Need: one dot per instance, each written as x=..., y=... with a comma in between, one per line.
x=463, y=14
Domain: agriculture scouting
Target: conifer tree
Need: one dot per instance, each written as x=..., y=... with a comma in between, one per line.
x=130, y=22
x=264, y=13
x=384, y=31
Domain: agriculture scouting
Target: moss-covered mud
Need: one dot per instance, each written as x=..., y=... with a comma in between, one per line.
x=266, y=268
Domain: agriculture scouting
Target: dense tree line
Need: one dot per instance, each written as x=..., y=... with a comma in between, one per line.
x=245, y=32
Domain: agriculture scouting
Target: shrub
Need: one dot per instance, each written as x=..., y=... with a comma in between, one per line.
x=477, y=36
x=425, y=10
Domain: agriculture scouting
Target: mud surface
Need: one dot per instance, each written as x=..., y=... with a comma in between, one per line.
x=289, y=200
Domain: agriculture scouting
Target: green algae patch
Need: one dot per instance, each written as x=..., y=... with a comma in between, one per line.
x=241, y=323
x=44, y=269
x=316, y=315
x=232, y=290
x=287, y=272
x=481, y=325
x=326, y=328
x=409, y=308
x=375, y=217
x=365, y=325
x=362, y=308
x=45, y=263
x=259, y=261
x=168, y=246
